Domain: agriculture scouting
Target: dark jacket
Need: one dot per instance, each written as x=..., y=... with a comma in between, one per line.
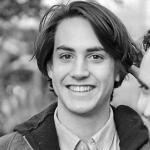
x=39, y=133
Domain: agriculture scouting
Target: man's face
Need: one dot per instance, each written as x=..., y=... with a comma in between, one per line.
x=82, y=72
x=144, y=80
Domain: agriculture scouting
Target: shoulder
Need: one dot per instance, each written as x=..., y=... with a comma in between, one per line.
x=13, y=141
x=127, y=117
x=6, y=140
x=131, y=130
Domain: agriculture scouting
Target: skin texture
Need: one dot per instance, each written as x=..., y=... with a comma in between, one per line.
x=144, y=80
x=143, y=104
x=83, y=76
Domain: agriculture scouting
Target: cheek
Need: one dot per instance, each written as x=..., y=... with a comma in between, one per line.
x=143, y=103
x=59, y=73
x=56, y=82
x=104, y=72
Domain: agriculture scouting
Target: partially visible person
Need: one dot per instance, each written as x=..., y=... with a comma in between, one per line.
x=85, y=52
x=134, y=70
x=143, y=104
x=146, y=41
x=142, y=74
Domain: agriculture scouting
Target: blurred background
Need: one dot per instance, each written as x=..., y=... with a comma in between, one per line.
x=23, y=90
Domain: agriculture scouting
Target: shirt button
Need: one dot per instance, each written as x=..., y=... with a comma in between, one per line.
x=92, y=142
x=92, y=145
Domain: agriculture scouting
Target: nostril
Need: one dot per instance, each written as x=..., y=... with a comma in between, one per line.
x=80, y=69
x=79, y=76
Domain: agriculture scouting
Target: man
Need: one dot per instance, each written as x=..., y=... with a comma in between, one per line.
x=142, y=75
x=144, y=98
x=85, y=52
x=144, y=81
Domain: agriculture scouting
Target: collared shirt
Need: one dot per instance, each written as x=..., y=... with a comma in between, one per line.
x=105, y=139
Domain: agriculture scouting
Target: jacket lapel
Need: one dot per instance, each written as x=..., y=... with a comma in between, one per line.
x=131, y=131
x=40, y=130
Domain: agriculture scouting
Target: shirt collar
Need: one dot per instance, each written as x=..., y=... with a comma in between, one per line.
x=102, y=139
x=67, y=140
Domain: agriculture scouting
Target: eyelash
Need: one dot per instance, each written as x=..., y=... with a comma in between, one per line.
x=94, y=57
x=64, y=57
x=98, y=57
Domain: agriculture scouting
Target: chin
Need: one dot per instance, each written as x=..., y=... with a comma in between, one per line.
x=84, y=107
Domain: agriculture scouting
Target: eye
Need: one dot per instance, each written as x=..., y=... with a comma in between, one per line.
x=96, y=57
x=65, y=57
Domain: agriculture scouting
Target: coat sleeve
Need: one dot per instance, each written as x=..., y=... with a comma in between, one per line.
x=6, y=140
x=14, y=141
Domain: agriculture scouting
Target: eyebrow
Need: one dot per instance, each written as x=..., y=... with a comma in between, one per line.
x=143, y=83
x=93, y=49
x=65, y=48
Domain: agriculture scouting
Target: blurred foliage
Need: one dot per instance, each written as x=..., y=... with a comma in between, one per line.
x=23, y=90
x=10, y=8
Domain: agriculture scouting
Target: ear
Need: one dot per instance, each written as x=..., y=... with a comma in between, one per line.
x=117, y=78
x=117, y=71
x=50, y=73
x=50, y=70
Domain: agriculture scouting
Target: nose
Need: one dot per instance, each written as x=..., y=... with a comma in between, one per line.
x=80, y=70
x=143, y=104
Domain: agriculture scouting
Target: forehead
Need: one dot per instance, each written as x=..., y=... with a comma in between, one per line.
x=76, y=32
x=144, y=73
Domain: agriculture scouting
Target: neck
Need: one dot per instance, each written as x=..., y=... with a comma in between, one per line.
x=84, y=126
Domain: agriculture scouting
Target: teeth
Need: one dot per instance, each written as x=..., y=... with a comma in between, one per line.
x=80, y=88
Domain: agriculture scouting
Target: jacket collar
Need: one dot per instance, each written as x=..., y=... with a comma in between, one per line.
x=40, y=130
x=131, y=131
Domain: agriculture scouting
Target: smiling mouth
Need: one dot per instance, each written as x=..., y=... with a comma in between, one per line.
x=80, y=88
